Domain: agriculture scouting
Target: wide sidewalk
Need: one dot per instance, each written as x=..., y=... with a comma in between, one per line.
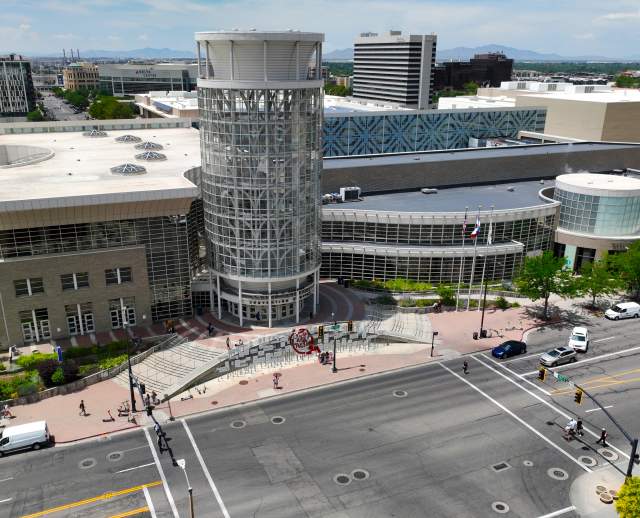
x=454, y=339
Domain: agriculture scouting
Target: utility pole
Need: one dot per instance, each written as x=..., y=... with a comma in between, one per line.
x=183, y=464
x=433, y=337
x=334, y=369
x=131, y=393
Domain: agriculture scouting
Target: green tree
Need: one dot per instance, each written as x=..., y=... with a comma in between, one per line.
x=471, y=88
x=107, y=107
x=543, y=275
x=35, y=116
x=340, y=90
x=446, y=294
x=57, y=378
x=627, y=266
x=628, y=503
x=627, y=82
x=596, y=279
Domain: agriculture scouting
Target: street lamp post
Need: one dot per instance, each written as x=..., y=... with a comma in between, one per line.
x=131, y=393
x=334, y=369
x=183, y=464
x=433, y=337
x=484, y=303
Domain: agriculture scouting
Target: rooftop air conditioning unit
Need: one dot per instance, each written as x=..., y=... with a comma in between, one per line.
x=429, y=190
x=350, y=193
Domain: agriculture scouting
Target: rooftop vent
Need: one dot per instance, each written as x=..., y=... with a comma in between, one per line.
x=149, y=146
x=94, y=133
x=151, y=156
x=128, y=169
x=511, y=189
x=128, y=138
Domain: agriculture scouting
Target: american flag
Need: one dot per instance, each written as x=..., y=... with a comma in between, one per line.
x=476, y=229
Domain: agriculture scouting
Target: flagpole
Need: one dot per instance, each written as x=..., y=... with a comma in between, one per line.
x=484, y=265
x=464, y=232
x=473, y=263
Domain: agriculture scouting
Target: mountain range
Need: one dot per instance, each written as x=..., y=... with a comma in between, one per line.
x=465, y=53
x=145, y=53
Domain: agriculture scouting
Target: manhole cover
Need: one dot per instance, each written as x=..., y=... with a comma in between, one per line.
x=244, y=382
x=528, y=463
x=277, y=419
x=557, y=474
x=115, y=456
x=600, y=489
x=400, y=393
x=238, y=424
x=501, y=466
x=360, y=474
x=608, y=454
x=587, y=461
x=606, y=498
x=500, y=507
x=342, y=479
x=87, y=463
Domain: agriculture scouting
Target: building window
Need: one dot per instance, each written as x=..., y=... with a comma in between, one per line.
x=80, y=318
x=118, y=276
x=35, y=324
x=73, y=281
x=28, y=287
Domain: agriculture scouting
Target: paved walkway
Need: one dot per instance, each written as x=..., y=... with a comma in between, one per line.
x=583, y=491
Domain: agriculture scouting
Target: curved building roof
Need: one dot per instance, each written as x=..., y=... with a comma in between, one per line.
x=599, y=184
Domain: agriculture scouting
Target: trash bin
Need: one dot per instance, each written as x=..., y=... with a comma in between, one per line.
x=483, y=333
x=198, y=310
x=475, y=335
x=340, y=281
x=346, y=283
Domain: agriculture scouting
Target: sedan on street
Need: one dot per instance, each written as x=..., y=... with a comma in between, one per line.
x=558, y=356
x=508, y=349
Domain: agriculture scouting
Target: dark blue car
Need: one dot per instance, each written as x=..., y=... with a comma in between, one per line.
x=508, y=349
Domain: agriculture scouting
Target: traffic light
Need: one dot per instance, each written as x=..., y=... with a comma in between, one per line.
x=542, y=373
x=578, y=397
x=320, y=332
x=350, y=326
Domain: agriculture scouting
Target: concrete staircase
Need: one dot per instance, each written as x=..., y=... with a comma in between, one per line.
x=168, y=367
x=415, y=327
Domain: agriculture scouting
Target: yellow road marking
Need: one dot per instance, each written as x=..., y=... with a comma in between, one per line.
x=133, y=512
x=105, y=496
x=601, y=381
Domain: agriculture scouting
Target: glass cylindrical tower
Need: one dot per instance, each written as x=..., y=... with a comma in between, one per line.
x=260, y=100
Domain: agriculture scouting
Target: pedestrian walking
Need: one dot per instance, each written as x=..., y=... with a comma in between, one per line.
x=228, y=344
x=154, y=398
x=210, y=329
x=465, y=367
x=83, y=410
x=579, y=428
x=276, y=380
x=147, y=400
x=603, y=437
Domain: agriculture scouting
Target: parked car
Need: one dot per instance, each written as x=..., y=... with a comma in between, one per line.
x=579, y=339
x=558, y=356
x=24, y=436
x=623, y=310
x=508, y=349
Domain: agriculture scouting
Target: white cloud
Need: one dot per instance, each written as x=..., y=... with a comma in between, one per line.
x=625, y=16
x=112, y=37
x=65, y=36
x=24, y=26
x=143, y=37
x=584, y=36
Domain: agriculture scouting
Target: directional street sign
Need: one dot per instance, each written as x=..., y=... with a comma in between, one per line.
x=560, y=377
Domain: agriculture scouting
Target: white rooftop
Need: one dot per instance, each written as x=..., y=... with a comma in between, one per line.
x=338, y=104
x=474, y=101
x=606, y=184
x=67, y=169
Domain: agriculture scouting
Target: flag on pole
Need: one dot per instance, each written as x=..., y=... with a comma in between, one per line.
x=464, y=224
x=489, y=233
x=476, y=229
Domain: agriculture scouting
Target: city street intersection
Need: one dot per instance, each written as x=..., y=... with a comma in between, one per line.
x=422, y=441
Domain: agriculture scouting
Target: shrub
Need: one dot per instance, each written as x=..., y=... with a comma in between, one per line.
x=385, y=300
x=87, y=369
x=70, y=370
x=407, y=303
x=502, y=303
x=20, y=385
x=515, y=304
x=58, y=377
x=26, y=389
x=109, y=363
x=3, y=367
x=31, y=361
x=628, y=503
x=446, y=294
x=46, y=370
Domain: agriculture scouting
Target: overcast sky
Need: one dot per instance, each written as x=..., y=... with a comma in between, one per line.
x=567, y=27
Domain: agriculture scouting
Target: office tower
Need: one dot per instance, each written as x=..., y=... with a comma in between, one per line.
x=260, y=133
x=395, y=68
x=17, y=95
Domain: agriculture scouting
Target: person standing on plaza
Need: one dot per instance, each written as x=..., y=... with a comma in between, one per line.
x=83, y=410
x=276, y=380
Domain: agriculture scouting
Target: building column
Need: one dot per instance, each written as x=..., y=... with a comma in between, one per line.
x=269, y=284
x=240, y=302
x=35, y=325
x=315, y=293
x=219, y=297
x=198, y=57
x=80, y=319
x=210, y=291
x=298, y=301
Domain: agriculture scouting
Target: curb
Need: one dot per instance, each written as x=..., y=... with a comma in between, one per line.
x=533, y=328
x=98, y=434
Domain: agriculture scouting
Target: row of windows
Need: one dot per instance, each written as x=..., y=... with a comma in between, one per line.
x=71, y=281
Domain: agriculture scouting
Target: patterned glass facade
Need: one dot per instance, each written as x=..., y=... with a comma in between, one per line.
x=598, y=215
x=365, y=134
x=261, y=165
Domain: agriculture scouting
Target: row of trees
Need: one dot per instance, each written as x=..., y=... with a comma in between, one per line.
x=340, y=90
x=544, y=275
x=627, y=82
x=108, y=107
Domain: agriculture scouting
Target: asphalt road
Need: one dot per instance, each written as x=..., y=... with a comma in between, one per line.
x=59, y=109
x=449, y=445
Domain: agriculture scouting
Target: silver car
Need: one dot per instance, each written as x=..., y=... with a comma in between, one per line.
x=558, y=356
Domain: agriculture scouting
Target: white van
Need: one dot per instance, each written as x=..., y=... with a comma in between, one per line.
x=623, y=310
x=23, y=436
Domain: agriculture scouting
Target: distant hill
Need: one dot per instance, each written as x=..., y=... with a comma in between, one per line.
x=465, y=53
x=146, y=53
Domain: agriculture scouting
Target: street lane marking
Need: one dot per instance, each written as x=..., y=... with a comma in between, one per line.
x=521, y=376
x=133, y=512
x=595, y=409
x=528, y=356
x=552, y=407
x=104, y=496
x=521, y=421
x=147, y=497
x=604, y=339
x=601, y=381
x=136, y=467
x=5, y=479
x=586, y=360
x=133, y=449
x=6, y=500
x=559, y=512
x=167, y=491
x=206, y=471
